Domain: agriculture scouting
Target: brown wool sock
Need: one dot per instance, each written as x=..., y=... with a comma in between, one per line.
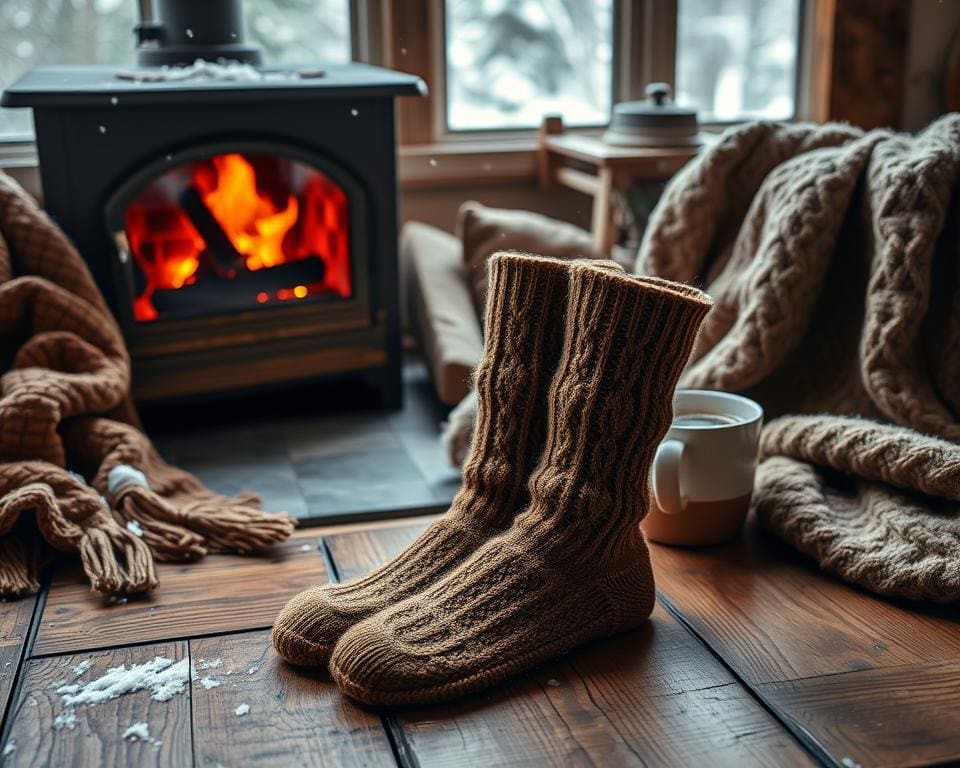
x=573, y=566
x=524, y=337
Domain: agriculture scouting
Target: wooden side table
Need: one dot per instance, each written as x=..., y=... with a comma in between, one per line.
x=591, y=166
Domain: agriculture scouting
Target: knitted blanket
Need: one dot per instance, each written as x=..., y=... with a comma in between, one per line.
x=833, y=259
x=65, y=409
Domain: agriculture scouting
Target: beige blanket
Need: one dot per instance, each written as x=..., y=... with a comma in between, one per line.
x=833, y=258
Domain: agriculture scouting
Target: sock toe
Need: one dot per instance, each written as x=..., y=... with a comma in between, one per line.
x=369, y=666
x=308, y=627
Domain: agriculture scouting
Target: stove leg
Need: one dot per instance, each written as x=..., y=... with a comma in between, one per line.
x=389, y=384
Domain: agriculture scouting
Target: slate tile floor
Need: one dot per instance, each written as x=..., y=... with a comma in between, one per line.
x=323, y=454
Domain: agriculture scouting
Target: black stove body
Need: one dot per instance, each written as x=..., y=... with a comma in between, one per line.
x=244, y=233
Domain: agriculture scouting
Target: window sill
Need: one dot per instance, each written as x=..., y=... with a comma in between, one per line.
x=18, y=158
x=453, y=163
x=17, y=153
x=489, y=160
x=494, y=161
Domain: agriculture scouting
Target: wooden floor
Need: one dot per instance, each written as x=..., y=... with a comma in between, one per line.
x=751, y=658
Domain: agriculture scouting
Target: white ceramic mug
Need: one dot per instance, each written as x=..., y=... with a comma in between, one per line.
x=703, y=472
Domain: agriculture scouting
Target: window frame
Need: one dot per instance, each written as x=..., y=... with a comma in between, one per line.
x=645, y=41
x=409, y=35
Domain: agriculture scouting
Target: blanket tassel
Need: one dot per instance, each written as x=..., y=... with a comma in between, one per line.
x=216, y=523
x=18, y=568
x=116, y=561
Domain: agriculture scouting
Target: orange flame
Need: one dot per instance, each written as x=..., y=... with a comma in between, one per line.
x=169, y=250
x=248, y=216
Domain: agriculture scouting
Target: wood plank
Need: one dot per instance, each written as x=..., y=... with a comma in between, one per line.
x=356, y=553
x=898, y=716
x=295, y=717
x=771, y=615
x=15, y=618
x=217, y=594
x=839, y=666
x=655, y=696
x=97, y=736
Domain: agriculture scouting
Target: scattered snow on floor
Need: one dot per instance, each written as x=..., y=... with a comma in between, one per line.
x=209, y=682
x=82, y=667
x=10, y=748
x=306, y=548
x=163, y=677
x=208, y=664
x=137, y=732
x=134, y=527
x=140, y=732
x=242, y=710
x=254, y=669
x=66, y=719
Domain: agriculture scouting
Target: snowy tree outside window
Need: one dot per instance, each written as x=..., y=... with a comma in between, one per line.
x=737, y=59
x=510, y=62
x=43, y=32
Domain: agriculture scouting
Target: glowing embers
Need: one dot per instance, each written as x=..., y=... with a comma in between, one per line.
x=236, y=231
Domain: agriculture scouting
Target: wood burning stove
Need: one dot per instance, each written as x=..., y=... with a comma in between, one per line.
x=243, y=231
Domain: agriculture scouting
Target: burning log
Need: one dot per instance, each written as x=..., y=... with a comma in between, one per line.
x=223, y=294
x=220, y=254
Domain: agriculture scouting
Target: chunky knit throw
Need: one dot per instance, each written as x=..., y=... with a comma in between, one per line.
x=573, y=566
x=834, y=262
x=65, y=409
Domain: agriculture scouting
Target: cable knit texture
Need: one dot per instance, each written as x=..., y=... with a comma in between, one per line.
x=64, y=400
x=832, y=256
x=573, y=566
x=524, y=322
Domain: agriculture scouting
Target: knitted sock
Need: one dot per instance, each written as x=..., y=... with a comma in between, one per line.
x=524, y=337
x=574, y=565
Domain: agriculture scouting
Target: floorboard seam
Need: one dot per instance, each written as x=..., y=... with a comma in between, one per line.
x=806, y=740
x=399, y=746
x=193, y=740
x=26, y=650
x=150, y=641
x=403, y=753
x=332, y=571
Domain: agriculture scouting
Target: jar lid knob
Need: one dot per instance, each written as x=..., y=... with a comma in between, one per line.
x=659, y=93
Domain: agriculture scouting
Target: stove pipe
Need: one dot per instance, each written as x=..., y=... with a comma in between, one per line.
x=181, y=31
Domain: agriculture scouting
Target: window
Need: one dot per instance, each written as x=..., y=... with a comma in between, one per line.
x=510, y=62
x=43, y=32
x=507, y=63
x=491, y=64
x=37, y=32
x=737, y=59
x=299, y=31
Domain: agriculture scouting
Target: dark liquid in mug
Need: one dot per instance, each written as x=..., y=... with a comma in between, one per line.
x=704, y=420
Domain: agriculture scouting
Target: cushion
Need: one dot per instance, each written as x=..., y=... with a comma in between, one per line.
x=483, y=231
x=442, y=316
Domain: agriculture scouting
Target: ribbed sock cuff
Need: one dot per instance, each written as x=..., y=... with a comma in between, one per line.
x=656, y=319
x=521, y=282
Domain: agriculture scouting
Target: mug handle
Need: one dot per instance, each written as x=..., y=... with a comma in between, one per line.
x=666, y=477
